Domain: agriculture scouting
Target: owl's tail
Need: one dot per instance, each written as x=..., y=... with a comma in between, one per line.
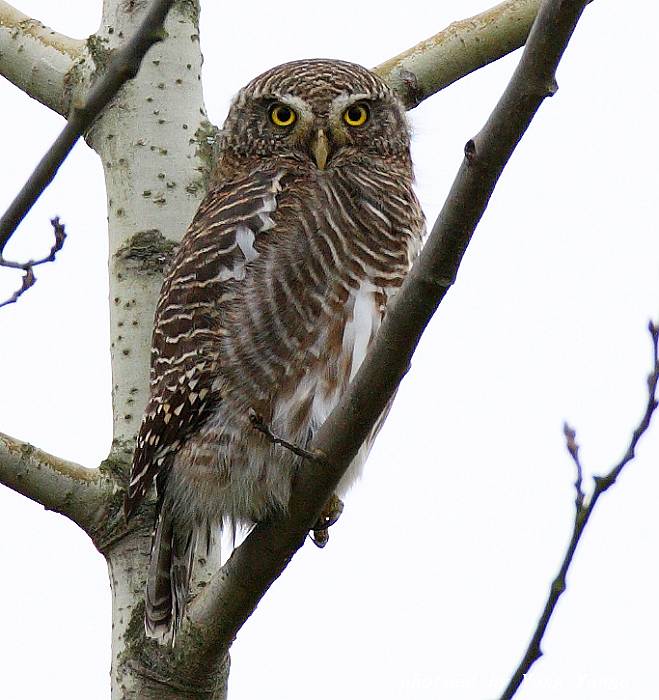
x=168, y=581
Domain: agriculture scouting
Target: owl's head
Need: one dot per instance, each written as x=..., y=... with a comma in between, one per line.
x=319, y=111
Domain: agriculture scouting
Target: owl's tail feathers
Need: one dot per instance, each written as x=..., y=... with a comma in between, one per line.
x=168, y=581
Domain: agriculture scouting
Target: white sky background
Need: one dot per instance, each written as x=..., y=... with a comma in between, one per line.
x=433, y=579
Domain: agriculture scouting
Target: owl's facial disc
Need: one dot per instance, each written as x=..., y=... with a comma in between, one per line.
x=290, y=114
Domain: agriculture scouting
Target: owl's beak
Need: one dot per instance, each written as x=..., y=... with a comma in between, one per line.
x=320, y=149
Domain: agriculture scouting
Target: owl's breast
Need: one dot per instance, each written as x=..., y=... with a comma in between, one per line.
x=313, y=295
x=320, y=372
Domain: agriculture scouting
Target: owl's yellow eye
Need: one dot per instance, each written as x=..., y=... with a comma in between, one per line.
x=356, y=114
x=281, y=115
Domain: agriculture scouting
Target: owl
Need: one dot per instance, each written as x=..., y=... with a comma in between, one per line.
x=269, y=306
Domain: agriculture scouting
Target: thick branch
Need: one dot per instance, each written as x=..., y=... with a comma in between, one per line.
x=458, y=50
x=219, y=611
x=36, y=59
x=584, y=509
x=124, y=65
x=56, y=484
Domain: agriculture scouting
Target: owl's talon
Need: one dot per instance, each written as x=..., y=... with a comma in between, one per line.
x=328, y=516
x=319, y=537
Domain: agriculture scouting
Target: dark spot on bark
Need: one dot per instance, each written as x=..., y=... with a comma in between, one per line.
x=412, y=92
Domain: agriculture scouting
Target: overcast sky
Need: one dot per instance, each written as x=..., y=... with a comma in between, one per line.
x=435, y=575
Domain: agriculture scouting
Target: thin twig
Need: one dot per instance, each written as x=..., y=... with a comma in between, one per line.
x=584, y=510
x=27, y=281
x=123, y=66
x=29, y=277
x=573, y=448
x=257, y=422
x=605, y=482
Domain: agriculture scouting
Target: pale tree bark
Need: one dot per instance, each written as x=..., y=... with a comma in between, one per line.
x=57, y=484
x=155, y=145
x=40, y=61
x=153, y=142
x=456, y=51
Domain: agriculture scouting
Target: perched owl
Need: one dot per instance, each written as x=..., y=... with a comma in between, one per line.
x=270, y=304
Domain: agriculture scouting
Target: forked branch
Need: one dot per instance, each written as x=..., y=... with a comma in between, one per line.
x=584, y=508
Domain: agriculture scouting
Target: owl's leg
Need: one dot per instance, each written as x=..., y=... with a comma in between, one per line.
x=328, y=516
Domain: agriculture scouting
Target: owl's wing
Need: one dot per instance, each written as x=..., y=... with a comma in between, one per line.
x=217, y=248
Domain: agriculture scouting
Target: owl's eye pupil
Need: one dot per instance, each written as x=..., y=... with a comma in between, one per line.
x=281, y=115
x=356, y=115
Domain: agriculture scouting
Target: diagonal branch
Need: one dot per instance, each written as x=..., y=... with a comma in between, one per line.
x=37, y=59
x=584, y=509
x=55, y=483
x=458, y=50
x=124, y=65
x=217, y=614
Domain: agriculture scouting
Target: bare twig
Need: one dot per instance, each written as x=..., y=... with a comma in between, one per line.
x=123, y=66
x=234, y=592
x=605, y=482
x=584, y=510
x=573, y=449
x=257, y=422
x=29, y=277
x=27, y=281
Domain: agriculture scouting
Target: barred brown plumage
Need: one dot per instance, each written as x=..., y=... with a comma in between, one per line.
x=269, y=305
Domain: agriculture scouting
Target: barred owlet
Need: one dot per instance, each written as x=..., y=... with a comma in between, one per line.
x=270, y=304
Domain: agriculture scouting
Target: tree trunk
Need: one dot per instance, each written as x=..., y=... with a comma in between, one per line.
x=154, y=143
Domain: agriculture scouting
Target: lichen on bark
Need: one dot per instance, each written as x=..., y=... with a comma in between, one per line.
x=146, y=252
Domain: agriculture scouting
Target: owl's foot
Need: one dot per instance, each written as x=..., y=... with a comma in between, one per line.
x=328, y=516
